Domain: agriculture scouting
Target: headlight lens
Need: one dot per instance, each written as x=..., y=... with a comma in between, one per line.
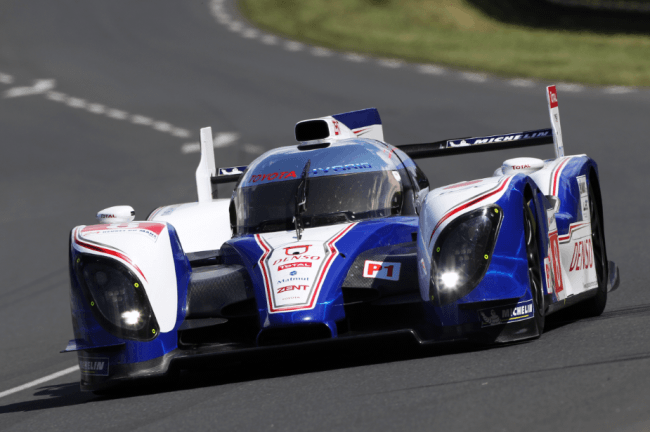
x=463, y=253
x=117, y=298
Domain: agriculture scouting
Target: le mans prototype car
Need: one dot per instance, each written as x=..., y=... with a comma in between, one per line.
x=339, y=238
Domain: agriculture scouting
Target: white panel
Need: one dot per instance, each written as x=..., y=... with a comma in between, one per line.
x=200, y=226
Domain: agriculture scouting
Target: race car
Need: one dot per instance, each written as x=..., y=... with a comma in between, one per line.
x=339, y=238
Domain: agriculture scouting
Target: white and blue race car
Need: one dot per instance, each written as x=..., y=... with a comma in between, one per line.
x=339, y=238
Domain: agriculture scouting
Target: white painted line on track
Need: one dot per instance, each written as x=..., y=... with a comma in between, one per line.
x=6, y=78
x=474, y=77
x=40, y=381
x=321, y=52
x=40, y=86
x=570, y=87
x=45, y=87
x=96, y=108
x=353, y=57
x=618, y=90
x=430, y=69
x=269, y=40
x=253, y=149
x=221, y=139
x=293, y=46
x=390, y=63
x=223, y=17
x=520, y=82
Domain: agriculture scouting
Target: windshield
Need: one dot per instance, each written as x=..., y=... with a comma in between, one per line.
x=330, y=200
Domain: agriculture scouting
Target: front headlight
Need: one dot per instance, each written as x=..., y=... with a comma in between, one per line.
x=462, y=254
x=117, y=298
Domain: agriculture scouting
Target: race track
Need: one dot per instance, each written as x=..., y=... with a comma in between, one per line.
x=101, y=103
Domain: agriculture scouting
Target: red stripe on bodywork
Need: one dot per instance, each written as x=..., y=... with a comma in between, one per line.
x=267, y=279
x=555, y=177
x=107, y=251
x=466, y=205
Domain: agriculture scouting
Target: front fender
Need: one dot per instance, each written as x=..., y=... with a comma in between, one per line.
x=507, y=276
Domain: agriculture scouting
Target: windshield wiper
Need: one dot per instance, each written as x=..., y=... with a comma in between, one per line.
x=301, y=200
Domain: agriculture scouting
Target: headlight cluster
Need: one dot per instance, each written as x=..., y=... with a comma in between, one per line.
x=117, y=298
x=463, y=253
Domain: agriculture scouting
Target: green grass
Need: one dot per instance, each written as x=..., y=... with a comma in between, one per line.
x=504, y=37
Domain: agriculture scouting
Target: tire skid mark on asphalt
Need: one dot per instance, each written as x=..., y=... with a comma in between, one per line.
x=223, y=16
x=45, y=87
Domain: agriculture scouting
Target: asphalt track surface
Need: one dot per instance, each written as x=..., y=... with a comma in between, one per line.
x=172, y=62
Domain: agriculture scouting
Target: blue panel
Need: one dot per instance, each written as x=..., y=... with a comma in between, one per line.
x=365, y=235
x=359, y=119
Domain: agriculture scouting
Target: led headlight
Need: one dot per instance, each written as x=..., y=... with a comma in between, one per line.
x=462, y=254
x=117, y=298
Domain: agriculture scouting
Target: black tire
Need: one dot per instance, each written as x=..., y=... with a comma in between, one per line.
x=534, y=265
x=595, y=306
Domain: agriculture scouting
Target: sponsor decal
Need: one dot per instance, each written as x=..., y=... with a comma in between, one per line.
x=292, y=288
x=291, y=279
x=296, y=250
x=93, y=366
x=381, y=270
x=548, y=271
x=424, y=267
x=506, y=314
x=338, y=168
x=499, y=138
x=301, y=257
x=584, y=198
x=552, y=96
x=272, y=176
x=295, y=265
x=151, y=230
x=583, y=255
x=554, y=245
x=299, y=292
x=106, y=216
x=337, y=128
x=232, y=170
x=520, y=167
x=293, y=273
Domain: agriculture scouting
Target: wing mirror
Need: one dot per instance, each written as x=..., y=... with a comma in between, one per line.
x=116, y=214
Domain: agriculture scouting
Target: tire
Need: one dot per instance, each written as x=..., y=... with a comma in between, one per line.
x=534, y=266
x=595, y=306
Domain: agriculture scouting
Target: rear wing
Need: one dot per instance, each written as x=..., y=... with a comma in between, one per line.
x=466, y=145
x=367, y=123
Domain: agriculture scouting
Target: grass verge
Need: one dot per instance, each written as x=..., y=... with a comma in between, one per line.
x=523, y=38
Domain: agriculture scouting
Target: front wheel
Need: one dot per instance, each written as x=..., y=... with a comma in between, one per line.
x=596, y=305
x=534, y=265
